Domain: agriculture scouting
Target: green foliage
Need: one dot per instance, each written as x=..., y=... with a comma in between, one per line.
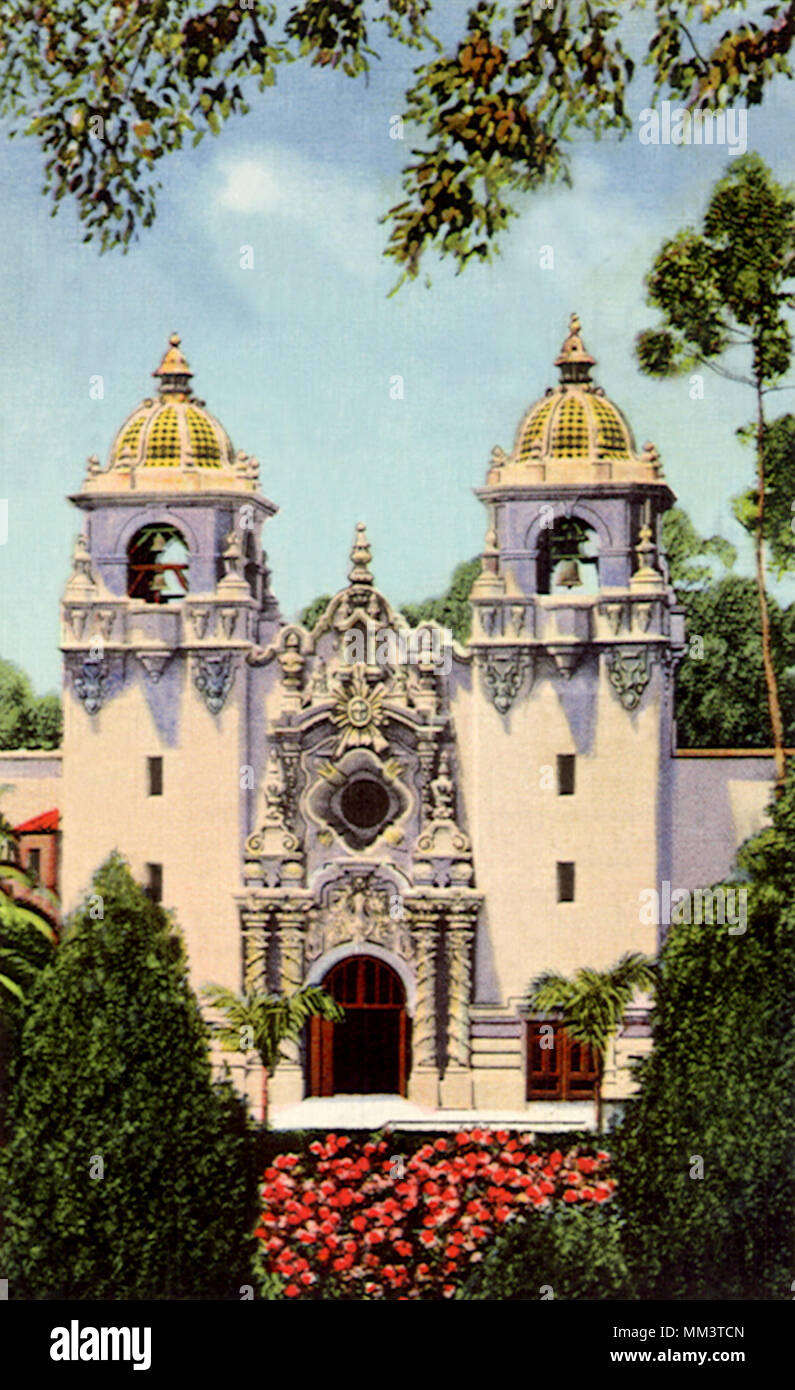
x=718, y=1085
x=310, y=615
x=592, y=1001
x=452, y=609
x=721, y=699
x=727, y=285
x=779, y=510
x=110, y=90
x=269, y=1019
x=113, y=1065
x=685, y=548
x=575, y=1251
x=25, y=721
x=27, y=943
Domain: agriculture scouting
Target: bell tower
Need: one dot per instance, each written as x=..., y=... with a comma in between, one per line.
x=566, y=724
x=168, y=596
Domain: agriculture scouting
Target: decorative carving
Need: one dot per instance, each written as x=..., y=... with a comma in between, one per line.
x=503, y=674
x=291, y=967
x=629, y=671
x=458, y=940
x=154, y=663
x=91, y=684
x=642, y=613
x=106, y=617
x=228, y=618
x=614, y=613
x=273, y=838
x=358, y=714
x=424, y=1035
x=292, y=661
x=213, y=674
x=255, y=960
x=359, y=911
x=199, y=618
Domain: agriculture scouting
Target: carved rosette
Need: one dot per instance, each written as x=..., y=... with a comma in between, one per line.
x=458, y=943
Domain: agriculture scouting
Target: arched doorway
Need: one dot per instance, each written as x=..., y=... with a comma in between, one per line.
x=368, y=1053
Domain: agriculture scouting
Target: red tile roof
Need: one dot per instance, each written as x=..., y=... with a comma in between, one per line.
x=48, y=820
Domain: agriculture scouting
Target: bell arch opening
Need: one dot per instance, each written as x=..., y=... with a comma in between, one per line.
x=158, y=565
x=568, y=557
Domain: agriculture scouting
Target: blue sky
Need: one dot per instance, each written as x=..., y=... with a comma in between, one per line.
x=296, y=355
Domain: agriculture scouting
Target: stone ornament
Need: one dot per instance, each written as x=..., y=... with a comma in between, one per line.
x=503, y=675
x=90, y=683
x=213, y=676
x=359, y=911
x=629, y=673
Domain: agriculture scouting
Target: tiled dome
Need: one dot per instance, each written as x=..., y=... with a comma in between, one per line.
x=575, y=433
x=172, y=442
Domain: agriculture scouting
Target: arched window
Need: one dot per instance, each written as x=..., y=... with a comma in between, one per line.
x=158, y=562
x=568, y=557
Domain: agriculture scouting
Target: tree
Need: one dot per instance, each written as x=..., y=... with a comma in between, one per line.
x=262, y=1022
x=705, y=1153
x=779, y=509
x=452, y=609
x=128, y=1171
x=592, y=1003
x=721, y=694
x=27, y=942
x=726, y=287
x=25, y=721
x=686, y=550
x=309, y=616
x=111, y=90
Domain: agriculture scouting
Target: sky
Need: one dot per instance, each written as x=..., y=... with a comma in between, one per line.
x=298, y=355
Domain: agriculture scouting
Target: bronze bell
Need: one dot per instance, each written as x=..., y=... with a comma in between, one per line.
x=568, y=574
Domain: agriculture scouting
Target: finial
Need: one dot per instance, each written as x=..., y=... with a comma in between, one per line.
x=361, y=555
x=574, y=360
x=174, y=371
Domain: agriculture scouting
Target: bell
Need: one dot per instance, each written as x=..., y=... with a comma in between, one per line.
x=568, y=574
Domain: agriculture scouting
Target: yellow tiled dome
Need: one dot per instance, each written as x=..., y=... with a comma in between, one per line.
x=575, y=420
x=575, y=433
x=175, y=430
x=172, y=442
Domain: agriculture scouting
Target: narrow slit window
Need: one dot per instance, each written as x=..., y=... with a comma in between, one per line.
x=565, y=883
x=155, y=774
x=566, y=774
x=154, y=882
x=34, y=863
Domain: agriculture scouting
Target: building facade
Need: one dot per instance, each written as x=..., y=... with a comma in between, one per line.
x=420, y=825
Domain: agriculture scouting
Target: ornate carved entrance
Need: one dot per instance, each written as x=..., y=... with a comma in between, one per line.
x=368, y=1053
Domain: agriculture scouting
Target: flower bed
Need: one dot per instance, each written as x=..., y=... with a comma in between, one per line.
x=355, y=1220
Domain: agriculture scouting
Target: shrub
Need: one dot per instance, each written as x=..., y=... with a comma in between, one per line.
x=126, y=1175
x=563, y=1253
x=705, y=1154
x=360, y=1220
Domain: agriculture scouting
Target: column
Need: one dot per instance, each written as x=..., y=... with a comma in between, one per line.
x=456, y=1086
x=424, y=1080
x=287, y=1083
